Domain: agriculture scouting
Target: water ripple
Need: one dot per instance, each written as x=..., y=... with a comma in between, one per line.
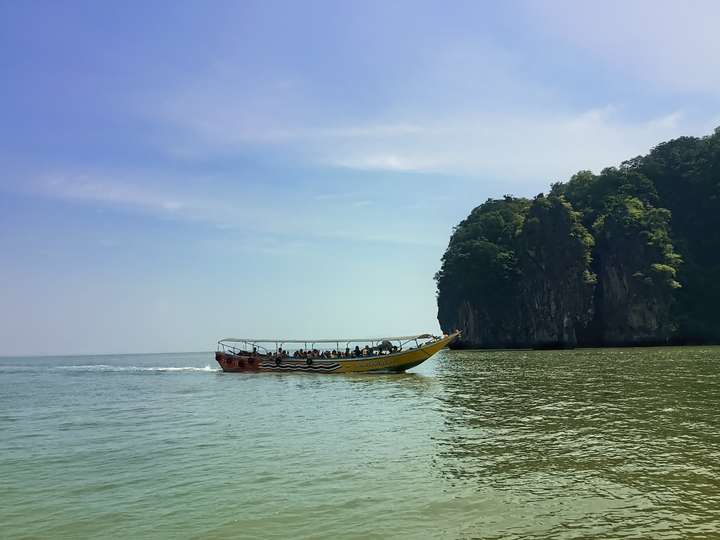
x=532, y=445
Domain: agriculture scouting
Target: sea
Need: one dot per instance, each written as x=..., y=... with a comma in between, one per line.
x=596, y=443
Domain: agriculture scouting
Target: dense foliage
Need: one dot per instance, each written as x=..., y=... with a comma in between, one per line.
x=629, y=256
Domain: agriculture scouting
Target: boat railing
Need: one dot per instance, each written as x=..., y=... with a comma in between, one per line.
x=377, y=346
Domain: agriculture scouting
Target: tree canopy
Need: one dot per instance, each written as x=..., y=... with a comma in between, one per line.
x=627, y=256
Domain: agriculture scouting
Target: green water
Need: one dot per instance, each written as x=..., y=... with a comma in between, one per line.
x=574, y=444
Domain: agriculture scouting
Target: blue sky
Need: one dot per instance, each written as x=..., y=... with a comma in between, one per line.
x=176, y=172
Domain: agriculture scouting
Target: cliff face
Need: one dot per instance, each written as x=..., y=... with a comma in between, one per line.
x=483, y=329
x=478, y=289
x=637, y=268
x=556, y=288
x=529, y=287
x=686, y=174
x=594, y=262
x=629, y=315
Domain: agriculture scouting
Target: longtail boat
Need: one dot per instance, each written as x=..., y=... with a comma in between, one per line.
x=378, y=355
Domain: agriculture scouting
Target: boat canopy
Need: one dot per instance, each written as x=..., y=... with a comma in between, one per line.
x=336, y=340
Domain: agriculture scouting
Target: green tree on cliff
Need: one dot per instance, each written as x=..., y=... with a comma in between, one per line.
x=557, y=281
x=645, y=234
x=480, y=269
x=686, y=174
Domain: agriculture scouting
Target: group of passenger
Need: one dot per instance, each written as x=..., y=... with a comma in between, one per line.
x=357, y=352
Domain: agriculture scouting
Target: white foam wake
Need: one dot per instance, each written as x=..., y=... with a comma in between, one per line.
x=105, y=367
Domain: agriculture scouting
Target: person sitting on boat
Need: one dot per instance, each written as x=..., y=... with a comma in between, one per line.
x=356, y=351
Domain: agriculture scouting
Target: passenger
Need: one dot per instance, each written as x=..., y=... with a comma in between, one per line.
x=357, y=352
x=347, y=351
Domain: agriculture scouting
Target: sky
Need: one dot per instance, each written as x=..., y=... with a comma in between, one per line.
x=175, y=172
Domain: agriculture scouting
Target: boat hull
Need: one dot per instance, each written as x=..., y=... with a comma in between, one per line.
x=390, y=363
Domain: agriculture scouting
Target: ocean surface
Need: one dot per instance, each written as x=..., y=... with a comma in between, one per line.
x=611, y=443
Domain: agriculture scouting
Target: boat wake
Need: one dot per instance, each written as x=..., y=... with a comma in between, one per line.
x=161, y=369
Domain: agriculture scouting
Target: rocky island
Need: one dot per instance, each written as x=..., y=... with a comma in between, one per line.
x=627, y=257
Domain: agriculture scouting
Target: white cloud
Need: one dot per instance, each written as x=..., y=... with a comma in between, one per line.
x=380, y=161
x=517, y=147
x=673, y=44
x=494, y=140
x=472, y=108
x=91, y=187
x=259, y=223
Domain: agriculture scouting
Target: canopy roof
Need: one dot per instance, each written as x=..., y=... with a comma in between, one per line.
x=336, y=340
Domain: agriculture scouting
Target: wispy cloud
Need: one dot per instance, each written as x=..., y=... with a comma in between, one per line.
x=673, y=44
x=335, y=196
x=111, y=191
x=530, y=146
x=488, y=118
x=370, y=161
x=257, y=222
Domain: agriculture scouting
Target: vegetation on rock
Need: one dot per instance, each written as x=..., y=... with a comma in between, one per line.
x=630, y=256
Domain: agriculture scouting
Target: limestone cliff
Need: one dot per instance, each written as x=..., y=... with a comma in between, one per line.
x=637, y=269
x=556, y=288
x=629, y=256
x=521, y=278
